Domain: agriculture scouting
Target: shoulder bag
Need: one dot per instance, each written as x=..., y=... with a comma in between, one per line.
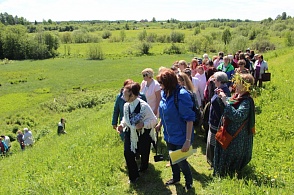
x=224, y=138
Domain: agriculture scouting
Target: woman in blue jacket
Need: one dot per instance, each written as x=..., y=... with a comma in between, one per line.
x=177, y=123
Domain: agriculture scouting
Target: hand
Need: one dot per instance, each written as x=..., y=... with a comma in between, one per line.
x=140, y=125
x=157, y=128
x=119, y=129
x=186, y=146
x=114, y=126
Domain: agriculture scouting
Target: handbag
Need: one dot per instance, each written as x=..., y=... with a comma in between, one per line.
x=266, y=76
x=224, y=138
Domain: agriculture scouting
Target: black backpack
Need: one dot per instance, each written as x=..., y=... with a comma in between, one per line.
x=198, y=113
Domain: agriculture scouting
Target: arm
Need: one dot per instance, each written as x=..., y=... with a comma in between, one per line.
x=189, y=129
x=158, y=97
x=115, y=113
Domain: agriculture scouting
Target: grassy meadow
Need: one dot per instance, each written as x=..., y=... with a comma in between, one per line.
x=89, y=159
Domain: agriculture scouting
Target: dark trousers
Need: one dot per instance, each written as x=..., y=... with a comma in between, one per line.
x=181, y=166
x=144, y=145
x=259, y=82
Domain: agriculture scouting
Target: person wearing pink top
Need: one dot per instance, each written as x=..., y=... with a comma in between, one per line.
x=151, y=89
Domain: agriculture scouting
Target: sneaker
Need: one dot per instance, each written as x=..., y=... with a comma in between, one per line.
x=172, y=182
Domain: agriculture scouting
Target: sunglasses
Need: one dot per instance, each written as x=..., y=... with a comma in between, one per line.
x=145, y=75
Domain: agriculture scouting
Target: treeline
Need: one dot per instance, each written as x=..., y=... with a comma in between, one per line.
x=8, y=19
x=19, y=41
x=17, y=44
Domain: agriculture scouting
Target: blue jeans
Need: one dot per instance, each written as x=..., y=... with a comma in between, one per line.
x=183, y=165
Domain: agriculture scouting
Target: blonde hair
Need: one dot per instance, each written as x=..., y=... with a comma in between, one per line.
x=187, y=81
x=149, y=72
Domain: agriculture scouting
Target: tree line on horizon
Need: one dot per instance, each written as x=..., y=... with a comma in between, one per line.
x=19, y=42
x=8, y=19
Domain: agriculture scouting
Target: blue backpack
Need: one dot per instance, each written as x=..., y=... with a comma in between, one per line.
x=198, y=113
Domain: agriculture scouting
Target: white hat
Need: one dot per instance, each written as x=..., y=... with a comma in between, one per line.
x=205, y=55
x=26, y=129
x=230, y=56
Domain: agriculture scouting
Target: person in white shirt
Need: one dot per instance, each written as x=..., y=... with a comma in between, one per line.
x=138, y=124
x=202, y=83
x=28, y=137
x=151, y=89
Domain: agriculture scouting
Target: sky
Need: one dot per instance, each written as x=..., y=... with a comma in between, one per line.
x=183, y=10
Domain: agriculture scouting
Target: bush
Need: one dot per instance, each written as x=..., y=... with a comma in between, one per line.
x=142, y=35
x=194, y=45
x=177, y=37
x=163, y=39
x=144, y=47
x=237, y=43
x=196, y=30
x=173, y=49
x=95, y=52
x=151, y=37
x=106, y=34
x=263, y=44
x=289, y=41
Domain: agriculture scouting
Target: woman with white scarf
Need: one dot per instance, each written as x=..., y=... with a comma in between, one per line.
x=138, y=123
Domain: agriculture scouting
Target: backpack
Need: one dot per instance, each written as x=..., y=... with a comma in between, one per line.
x=198, y=113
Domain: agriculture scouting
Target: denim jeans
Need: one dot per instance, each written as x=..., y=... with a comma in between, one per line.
x=183, y=165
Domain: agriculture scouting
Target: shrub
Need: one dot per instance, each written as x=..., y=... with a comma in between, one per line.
x=263, y=44
x=196, y=30
x=194, y=45
x=289, y=41
x=237, y=43
x=80, y=36
x=95, y=52
x=144, y=47
x=66, y=37
x=151, y=37
x=163, y=38
x=142, y=35
x=177, y=37
x=106, y=34
x=173, y=49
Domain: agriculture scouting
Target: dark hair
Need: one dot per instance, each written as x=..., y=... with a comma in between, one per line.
x=210, y=63
x=128, y=81
x=169, y=80
x=134, y=88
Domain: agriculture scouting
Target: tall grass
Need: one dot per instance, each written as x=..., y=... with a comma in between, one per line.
x=89, y=159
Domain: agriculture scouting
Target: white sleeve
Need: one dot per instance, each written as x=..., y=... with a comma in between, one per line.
x=149, y=119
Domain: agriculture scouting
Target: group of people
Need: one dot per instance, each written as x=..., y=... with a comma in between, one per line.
x=141, y=110
x=25, y=139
